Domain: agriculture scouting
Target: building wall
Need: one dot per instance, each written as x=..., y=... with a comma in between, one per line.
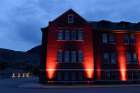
x=94, y=67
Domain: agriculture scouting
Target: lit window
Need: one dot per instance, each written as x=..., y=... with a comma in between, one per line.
x=70, y=19
x=73, y=56
x=67, y=56
x=104, y=38
x=60, y=35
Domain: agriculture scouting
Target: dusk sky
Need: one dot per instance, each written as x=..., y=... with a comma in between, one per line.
x=21, y=20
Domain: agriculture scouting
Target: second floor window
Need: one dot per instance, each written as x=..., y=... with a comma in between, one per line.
x=104, y=38
x=67, y=35
x=129, y=38
x=106, y=58
x=71, y=56
x=131, y=57
x=73, y=35
x=80, y=35
x=108, y=38
x=109, y=58
x=70, y=35
x=60, y=35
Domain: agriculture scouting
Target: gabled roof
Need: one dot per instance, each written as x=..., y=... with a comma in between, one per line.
x=63, y=18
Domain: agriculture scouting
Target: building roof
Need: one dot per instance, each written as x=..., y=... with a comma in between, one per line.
x=104, y=24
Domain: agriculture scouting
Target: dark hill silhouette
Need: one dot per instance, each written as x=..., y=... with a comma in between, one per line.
x=28, y=60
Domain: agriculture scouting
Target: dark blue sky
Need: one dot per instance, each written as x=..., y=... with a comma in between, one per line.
x=21, y=20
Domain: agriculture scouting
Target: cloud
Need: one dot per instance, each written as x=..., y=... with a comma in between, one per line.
x=21, y=20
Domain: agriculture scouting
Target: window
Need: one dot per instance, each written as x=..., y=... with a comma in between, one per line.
x=132, y=39
x=106, y=58
x=67, y=56
x=73, y=76
x=129, y=38
x=73, y=56
x=67, y=35
x=60, y=56
x=80, y=75
x=60, y=35
x=111, y=38
x=80, y=35
x=66, y=76
x=131, y=57
x=70, y=19
x=113, y=58
x=107, y=75
x=104, y=38
x=126, y=38
x=59, y=76
x=73, y=35
x=109, y=58
x=80, y=56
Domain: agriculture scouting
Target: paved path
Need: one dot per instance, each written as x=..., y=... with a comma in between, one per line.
x=31, y=86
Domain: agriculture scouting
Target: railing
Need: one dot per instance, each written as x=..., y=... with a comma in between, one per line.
x=109, y=75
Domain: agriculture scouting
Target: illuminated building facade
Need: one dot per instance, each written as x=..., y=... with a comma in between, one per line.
x=81, y=52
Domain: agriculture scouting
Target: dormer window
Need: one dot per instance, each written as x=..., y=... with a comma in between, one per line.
x=70, y=19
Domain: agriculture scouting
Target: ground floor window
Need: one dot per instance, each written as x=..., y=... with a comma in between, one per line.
x=69, y=76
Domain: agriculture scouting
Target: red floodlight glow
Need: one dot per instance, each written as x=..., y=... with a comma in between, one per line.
x=50, y=67
x=138, y=46
x=89, y=67
x=121, y=57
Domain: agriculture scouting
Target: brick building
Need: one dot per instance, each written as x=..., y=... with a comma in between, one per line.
x=75, y=50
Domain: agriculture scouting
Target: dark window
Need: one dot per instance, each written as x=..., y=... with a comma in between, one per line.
x=107, y=75
x=109, y=58
x=66, y=76
x=70, y=56
x=73, y=56
x=131, y=57
x=113, y=58
x=80, y=56
x=66, y=56
x=59, y=76
x=67, y=35
x=60, y=35
x=70, y=35
x=73, y=76
x=132, y=39
x=70, y=19
x=106, y=58
x=60, y=56
x=73, y=35
x=104, y=38
x=129, y=38
x=80, y=35
x=111, y=38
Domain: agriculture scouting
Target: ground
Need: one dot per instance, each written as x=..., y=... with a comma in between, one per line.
x=31, y=85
